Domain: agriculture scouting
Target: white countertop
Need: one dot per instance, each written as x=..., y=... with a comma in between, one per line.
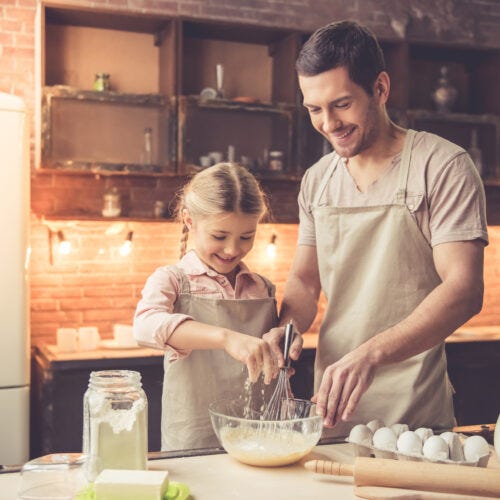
x=221, y=477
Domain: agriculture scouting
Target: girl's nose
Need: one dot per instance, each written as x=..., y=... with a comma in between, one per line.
x=231, y=248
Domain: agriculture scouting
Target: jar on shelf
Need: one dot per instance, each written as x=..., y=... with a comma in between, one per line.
x=101, y=82
x=112, y=204
x=276, y=161
x=115, y=419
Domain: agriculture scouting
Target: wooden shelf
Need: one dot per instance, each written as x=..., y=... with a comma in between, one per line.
x=100, y=218
x=174, y=58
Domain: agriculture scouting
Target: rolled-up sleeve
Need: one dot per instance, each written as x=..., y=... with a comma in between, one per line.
x=154, y=319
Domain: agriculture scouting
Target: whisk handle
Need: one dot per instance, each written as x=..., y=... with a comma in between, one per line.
x=288, y=342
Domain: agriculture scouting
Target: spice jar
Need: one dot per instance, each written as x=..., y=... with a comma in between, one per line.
x=115, y=416
x=112, y=204
x=101, y=82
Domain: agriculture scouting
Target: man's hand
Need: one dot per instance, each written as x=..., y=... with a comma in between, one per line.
x=342, y=386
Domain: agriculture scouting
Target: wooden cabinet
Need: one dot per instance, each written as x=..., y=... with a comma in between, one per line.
x=59, y=383
x=163, y=78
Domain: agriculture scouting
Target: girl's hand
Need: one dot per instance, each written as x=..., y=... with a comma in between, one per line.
x=275, y=338
x=255, y=353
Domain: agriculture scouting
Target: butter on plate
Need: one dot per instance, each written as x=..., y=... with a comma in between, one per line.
x=113, y=484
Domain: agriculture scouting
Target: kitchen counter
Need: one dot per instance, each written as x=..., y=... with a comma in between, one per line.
x=221, y=477
x=211, y=477
x=463, y=334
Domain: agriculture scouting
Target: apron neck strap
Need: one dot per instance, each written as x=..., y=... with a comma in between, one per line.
x=184, y=282
x=405, y=167
x=331, y=169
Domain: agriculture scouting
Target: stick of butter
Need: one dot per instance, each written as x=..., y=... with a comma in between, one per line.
x=114, y=484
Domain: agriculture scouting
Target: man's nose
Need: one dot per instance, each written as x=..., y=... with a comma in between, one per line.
x=331, y=122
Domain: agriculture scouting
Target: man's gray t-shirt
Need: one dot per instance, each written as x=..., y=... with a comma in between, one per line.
x=445, y=194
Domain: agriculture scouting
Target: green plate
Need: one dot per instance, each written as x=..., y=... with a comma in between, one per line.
x=175, y=491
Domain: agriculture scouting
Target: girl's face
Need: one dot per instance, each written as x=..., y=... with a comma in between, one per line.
x=221, y=241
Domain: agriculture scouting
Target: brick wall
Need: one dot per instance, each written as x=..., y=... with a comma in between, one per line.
x=89, y=287
x=96, y=286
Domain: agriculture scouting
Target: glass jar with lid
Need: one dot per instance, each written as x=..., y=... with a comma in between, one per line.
x=115, y=416
x=112, y=204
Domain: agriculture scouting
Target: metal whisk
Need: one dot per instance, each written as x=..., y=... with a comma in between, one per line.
x=278, y=407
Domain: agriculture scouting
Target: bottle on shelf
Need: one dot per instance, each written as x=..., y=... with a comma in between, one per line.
x=147, y=153
x=445, y=95
x=219, y=69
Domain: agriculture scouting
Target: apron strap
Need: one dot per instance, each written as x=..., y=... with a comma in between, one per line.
x=271, y=289
x=185, y=288
x=328, y=175
x=405, y=167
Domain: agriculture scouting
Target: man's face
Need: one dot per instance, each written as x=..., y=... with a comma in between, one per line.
x=342, y=111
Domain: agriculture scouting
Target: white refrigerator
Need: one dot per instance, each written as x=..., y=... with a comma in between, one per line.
x=14, y=289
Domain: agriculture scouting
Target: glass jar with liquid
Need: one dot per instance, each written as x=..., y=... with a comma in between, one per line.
x=101, y=82
x=115, y=416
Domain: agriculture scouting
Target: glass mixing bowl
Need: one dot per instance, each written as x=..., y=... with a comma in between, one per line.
x=267, y=443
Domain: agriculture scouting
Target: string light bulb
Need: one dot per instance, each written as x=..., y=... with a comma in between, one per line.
x=271, y=246
x=126, y=246
x=64, y=246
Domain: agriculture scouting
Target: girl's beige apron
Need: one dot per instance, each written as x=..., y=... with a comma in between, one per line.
x=375, y=268
x=192, y=383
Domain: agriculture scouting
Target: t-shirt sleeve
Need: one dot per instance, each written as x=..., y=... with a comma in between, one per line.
x=457, y=203
x=307, y=231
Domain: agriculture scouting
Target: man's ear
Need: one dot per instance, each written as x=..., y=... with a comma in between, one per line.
x=382, y=86
x=186, y=218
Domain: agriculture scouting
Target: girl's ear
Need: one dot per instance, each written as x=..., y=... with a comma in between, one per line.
x=186, y=218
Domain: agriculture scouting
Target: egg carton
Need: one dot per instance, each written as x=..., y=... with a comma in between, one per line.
x=362, y=449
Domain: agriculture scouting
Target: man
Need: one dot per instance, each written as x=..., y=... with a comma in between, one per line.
x=392, y=230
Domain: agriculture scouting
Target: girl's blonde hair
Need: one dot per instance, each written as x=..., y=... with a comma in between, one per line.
x=222, y=188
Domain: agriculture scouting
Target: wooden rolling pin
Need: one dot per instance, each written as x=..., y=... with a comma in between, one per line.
x=424, y=476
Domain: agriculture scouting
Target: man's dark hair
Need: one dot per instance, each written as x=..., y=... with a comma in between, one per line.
x=346, y=44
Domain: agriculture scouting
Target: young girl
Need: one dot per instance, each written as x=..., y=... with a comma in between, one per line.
x=209, y=311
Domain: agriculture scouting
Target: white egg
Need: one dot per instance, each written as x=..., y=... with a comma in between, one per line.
x=435, y=448
x=361, y=434
x=373, y=425
x=455, y=446
x=385, y=439
x=475, y=447
x=398, y=429
x=424, y=433
x=409, y=442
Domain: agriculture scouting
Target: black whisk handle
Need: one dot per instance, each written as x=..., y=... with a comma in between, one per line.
x=288, y=342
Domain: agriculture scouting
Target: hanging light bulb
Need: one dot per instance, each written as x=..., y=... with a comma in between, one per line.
x=126, y=246
x=64, y=246
x=271, y=247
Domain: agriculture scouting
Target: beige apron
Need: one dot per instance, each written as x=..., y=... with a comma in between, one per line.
x=375, y=268
x=192, y=383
